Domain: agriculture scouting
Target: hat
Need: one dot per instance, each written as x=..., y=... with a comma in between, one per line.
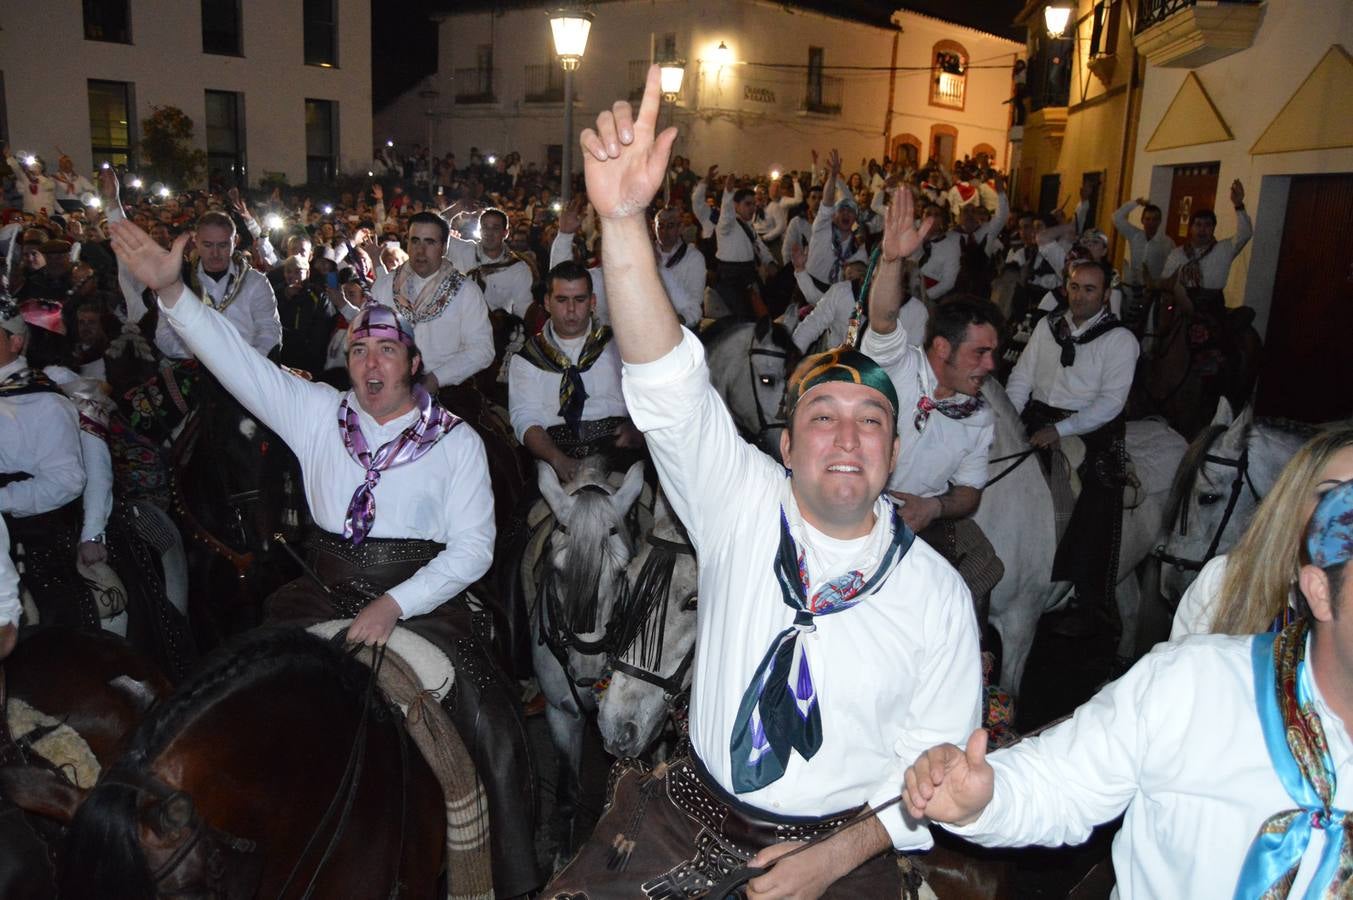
x=54, y=246
x=1094, y=234
x=843, y=365
x=1329, y=538
x=375, y=320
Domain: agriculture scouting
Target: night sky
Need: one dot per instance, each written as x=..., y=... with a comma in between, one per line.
x=404, y=42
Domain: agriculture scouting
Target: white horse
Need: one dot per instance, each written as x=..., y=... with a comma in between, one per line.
x=749, y=365
x=1017, y=517
x=1228, y=469
x=653, y=654
x=580, y=574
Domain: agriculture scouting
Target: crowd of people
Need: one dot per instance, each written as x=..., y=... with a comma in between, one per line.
x=403, y=310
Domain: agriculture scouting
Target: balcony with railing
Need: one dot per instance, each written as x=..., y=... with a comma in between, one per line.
x=946, y=88
x=475, y=85
x=823, y=94
x=1185, y=34
x=637, y=72
x=545, y=83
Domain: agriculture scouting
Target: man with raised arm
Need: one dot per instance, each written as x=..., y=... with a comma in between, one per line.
x=398, y=488
x=1231, y=758
x=830, y=643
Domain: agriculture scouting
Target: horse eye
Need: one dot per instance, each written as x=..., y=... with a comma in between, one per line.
x=1208, y=499
x=688, y=605
x=767, y=380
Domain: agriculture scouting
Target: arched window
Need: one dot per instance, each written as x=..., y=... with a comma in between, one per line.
x=948, y=75
x=986, y=150
x=907, y=151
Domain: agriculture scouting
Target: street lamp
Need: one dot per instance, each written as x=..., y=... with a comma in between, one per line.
x=570, y=28
x=1056, y=16
x=672, y=73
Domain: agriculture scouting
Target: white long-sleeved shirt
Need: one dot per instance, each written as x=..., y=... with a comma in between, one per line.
x=777, y=213
x=533, y=394
x=821, y=254
x=444, y=496
x=734, y=245
x=910, y=649
x=97, y=497
x=947, y=451
x=457, y=343
x=942, y=265
x=508, y=289
x=1142, y=251
x=700, y=207
x=561, y=250
x=684, y=281
x=1176, y=743
x=34, y=201
x=1095, y=385
x=799, y=232
x=70, y=186
x=831, y=316
x=10, y=609
x=1216, y=265
x=43, y=440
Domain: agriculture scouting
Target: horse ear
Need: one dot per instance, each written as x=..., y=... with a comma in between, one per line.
x=629, y=489
x=1223, y=416
x=559, y=502
x=41, y=791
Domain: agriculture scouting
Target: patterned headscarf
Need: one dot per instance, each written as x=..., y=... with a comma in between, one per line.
x=375, y=320
x=1329, y=540
x=844, y=365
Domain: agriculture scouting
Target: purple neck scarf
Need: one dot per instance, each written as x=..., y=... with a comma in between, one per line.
x=432, y=423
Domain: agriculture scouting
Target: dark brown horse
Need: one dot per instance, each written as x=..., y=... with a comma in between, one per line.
x=95, y=683
x=278, y=771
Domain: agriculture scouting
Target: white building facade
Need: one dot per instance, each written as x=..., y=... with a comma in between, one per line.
x=765, y=85
x=280, y=90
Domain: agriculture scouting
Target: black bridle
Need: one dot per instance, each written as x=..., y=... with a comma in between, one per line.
x=633, y=627
x=1181, y=524
x=763, y=422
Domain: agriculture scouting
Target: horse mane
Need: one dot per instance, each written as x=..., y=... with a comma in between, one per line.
x=103, y=846
x=590, y=549
x=1187, y=473
x=719, y=329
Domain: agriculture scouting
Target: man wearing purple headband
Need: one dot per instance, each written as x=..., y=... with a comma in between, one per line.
x=1232, y=757
x=399, y=492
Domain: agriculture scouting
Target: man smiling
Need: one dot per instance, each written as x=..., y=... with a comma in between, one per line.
x=829, y=642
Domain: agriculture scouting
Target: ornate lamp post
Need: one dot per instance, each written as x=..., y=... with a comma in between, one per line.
x=570, y=28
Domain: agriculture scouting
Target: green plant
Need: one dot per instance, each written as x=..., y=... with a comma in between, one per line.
x=167, y=148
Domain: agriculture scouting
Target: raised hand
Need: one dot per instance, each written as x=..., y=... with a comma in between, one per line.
x=947, y=784
x=798, y=256
x=1237, y=193
x=833, y=163
x=625, y=159
x=712, y=174
x=901, y=237
x=730, y=183
x=108, y=188
x=570, y=219
x=154, y=266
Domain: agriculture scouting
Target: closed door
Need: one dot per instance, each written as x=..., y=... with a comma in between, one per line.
x=1307, y=373
x=1194, y=187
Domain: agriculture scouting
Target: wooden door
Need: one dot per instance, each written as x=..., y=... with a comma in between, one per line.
x=1306, y=373
x=1194, y=187
x=1049, y=193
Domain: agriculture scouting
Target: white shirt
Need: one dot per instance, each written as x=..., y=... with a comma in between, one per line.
x=561, y=250
x=10, y=609
x=941, y=266
x=948, y=451
x=444, y=496
x=97, y=498
x=685, y=282
x=508, y=289
x=821, y=253
x=1095, y=385
x=831, y=315
x=40, y=435
x=533, y=394
x=1175, y=742
x=1216, y=265
x=34, y=202
x=909, y=650
x=458, y=342
x=799, y=232
x=732, y=238
x=700, y=207
x=1152, y=253
x=1198, y=607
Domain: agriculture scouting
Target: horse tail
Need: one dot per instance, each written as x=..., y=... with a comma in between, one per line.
x=102, y=852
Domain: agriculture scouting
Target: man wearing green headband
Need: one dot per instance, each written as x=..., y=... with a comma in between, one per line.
x=830, y=644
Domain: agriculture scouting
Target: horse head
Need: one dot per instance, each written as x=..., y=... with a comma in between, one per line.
x=749, y=365
x=592, y=542
x=652, y=658
x=1211, y=501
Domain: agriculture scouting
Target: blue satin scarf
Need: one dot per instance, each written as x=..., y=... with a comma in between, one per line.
x=1300, y=755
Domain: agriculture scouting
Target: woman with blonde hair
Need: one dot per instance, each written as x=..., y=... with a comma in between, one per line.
x=1253, y=587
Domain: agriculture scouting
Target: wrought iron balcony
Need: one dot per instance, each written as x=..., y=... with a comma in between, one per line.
x=823, y=95
x=1192, y=33
x=475, y=85
x=545, y=83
